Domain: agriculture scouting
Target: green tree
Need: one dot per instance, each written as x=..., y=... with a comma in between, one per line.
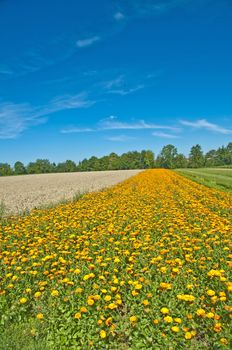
x=40, y=166
x=70, y=166
x=167, y=157
x=5, y=169
x=19, y=168
x=180, y=161
x=113, y=161
x=196, y=157
x=147, y=159
x=211, y=158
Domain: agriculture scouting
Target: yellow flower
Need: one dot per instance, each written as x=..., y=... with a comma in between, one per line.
x=177, y=320
x=112, y=306
x=175, y=329
x=138, y=286
x=39, y=316
x=164, y=285
x=210, y=292
x=224, y=341
x=37, y=294
x=200, y=312
x=188, y=335
x=164, y=310
x=134, y=293
x=77, y=315
x=168, y=319
x=133, y=319
x=102, y=334
x=90, y=302
x=155, y=321
x=107, y=298
x=210, y=315
x=23, y=300
x=54, y=293
x=83, y=309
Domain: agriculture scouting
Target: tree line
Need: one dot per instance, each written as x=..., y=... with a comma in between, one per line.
x=168, y=158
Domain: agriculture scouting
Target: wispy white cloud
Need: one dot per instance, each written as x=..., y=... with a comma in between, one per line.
x=120, y=138
x=119, y=16
x=16, y=118
x=112, y=123
x=71, y=102
x=88, y=41
x=124, y=92
x=73, y=129
x=118, y=86
x=205, y=125
x=109, y=84
x=165, y=135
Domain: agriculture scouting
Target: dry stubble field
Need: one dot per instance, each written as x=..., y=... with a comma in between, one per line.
x=21, y=193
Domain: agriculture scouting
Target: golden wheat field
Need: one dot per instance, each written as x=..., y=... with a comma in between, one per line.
x=142, y=265
x=22, y=193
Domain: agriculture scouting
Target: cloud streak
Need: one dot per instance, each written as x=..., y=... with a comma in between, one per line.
x=112, y=123
x=16, y=118
x=73, y=130
x=87, y=42
x=119, y=16
x=124, y=92
x=109, y=84
x=203, y=124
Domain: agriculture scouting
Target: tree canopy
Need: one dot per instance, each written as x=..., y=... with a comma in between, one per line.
x=168, y=158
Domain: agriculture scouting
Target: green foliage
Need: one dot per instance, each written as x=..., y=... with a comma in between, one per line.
x=5, y=169
x=19, y=168
x=129, y=160
x=168, y=158
x=40, y=166
x=196, y=157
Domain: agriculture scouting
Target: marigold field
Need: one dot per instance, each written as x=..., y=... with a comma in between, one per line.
x=142, y=265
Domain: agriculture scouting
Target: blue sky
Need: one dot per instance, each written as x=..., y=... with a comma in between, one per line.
x=88, y=78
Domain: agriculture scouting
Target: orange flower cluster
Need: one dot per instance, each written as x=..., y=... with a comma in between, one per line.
x=146, y=259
